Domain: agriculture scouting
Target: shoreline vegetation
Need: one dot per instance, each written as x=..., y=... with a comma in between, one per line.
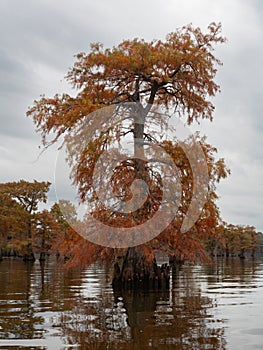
x=29, y=234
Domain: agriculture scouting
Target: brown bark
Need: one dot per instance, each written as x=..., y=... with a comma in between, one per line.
x=29, y=255
x=42, y=256
x=136, y=271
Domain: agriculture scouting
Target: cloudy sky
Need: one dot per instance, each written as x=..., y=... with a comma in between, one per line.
x=39, y=39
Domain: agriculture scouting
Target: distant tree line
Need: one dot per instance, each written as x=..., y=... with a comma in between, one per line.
x=235, y=240
x=27, y=232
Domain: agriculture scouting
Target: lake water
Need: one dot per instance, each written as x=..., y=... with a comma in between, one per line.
x=218, y=306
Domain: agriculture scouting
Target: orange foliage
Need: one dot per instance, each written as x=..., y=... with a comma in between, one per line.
x=19, y=204
x=176, y=73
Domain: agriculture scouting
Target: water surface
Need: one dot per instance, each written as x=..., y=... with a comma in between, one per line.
x=218, y=306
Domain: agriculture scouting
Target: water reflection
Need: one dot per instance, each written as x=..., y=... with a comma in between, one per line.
x=43, y=306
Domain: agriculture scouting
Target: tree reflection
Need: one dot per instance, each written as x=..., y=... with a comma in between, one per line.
x=81, y=309
x=18, y=318
x=177, y=319
x=232, y=269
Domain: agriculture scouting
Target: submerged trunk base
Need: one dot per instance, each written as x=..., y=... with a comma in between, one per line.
x=135, y=272
x=42, y=256
x=29, y=257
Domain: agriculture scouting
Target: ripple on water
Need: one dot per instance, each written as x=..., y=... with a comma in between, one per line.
x=207, y=307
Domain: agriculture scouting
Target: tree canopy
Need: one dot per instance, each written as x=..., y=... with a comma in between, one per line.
x=19, y=202
x=174, y=76
x=176, y=73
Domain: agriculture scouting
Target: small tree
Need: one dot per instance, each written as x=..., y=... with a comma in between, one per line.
x=28, y=195
x=13, y=219
x=63, y=213
x=46, y=233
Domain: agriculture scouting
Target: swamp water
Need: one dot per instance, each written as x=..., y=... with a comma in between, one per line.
x=218, y=306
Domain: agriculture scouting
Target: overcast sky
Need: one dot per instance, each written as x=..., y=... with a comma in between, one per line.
x=37, y=45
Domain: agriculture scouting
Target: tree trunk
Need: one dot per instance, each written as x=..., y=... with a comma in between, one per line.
x=242, y=254
x=29, y=255
x=175, y=262
x=227, y=252
x=11, y=253
x=42, y=256
x=137, y=272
